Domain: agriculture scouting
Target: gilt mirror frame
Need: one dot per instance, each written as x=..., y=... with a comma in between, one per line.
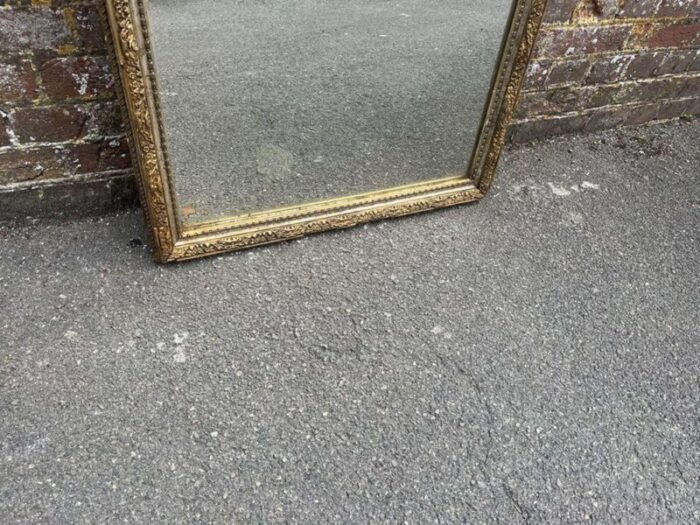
x=130, y=42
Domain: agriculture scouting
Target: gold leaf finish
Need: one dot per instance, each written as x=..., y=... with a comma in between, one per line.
x=340, y=220
x=130, y=58
x=508, y=82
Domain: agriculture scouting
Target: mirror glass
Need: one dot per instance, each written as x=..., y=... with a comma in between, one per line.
x=270, y=104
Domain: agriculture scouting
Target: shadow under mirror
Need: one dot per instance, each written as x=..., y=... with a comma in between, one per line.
x=272, y=104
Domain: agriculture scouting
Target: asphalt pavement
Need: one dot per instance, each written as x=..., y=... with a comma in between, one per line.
x=532, y=358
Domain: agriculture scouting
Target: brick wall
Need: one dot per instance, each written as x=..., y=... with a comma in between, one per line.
x=597, y=64
x=605, y=63
x=62, y=146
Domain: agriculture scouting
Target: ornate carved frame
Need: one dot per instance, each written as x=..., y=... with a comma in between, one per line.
x=129, y=36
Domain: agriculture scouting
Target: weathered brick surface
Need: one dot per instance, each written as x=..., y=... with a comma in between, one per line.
x=605, y=63
x=17, y=81
x=77, y=77
x=59, y=122
x=597, y=64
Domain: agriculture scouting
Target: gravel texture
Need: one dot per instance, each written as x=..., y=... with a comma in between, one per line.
x=529, y=359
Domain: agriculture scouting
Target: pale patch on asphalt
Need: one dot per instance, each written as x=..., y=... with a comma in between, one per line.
x=557, y=189
x=574, y=219
x=179, y=339
x=560, y=191
x=441, y=330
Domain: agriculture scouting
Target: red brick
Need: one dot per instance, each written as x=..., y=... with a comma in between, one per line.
x=4, y=133
x=532, y=105
x=679, y=8
x=536, y=75
x=31, y=29
x=42, y=163
x=695, y=64
x=104, y=120
x=641, y=114
x=676, y=62
x=568, y=72
x=602, y=8
x=608, y=69
x=87, y=25
x=638, y=9
x=644, y=65
x=65, y=123
x=17, y=81
x=578, y=41
x=605, y=119
x=677, y=35
x=559, y=11
x=662, y=62
x=114, y=154
x=84, y=158
x=76, y=77
x=568, y=99
x=552, y=102
x=691, y=88
x=678, y=108
x=21, y=165
x=527, y=131
x=636, y=92
x=49, y=124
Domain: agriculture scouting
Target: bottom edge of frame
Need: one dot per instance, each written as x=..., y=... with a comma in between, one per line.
x=193, y=248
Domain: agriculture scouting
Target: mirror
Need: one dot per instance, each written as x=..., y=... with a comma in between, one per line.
x=255, y=121
x=271, y=104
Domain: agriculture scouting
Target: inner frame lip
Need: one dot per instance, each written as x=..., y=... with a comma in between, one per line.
x=467, y=193
x=315, y=208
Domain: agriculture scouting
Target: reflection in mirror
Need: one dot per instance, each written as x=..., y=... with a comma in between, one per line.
x=273, y=104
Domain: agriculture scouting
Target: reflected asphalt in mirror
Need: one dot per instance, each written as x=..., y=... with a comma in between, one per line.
x=273, y=104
